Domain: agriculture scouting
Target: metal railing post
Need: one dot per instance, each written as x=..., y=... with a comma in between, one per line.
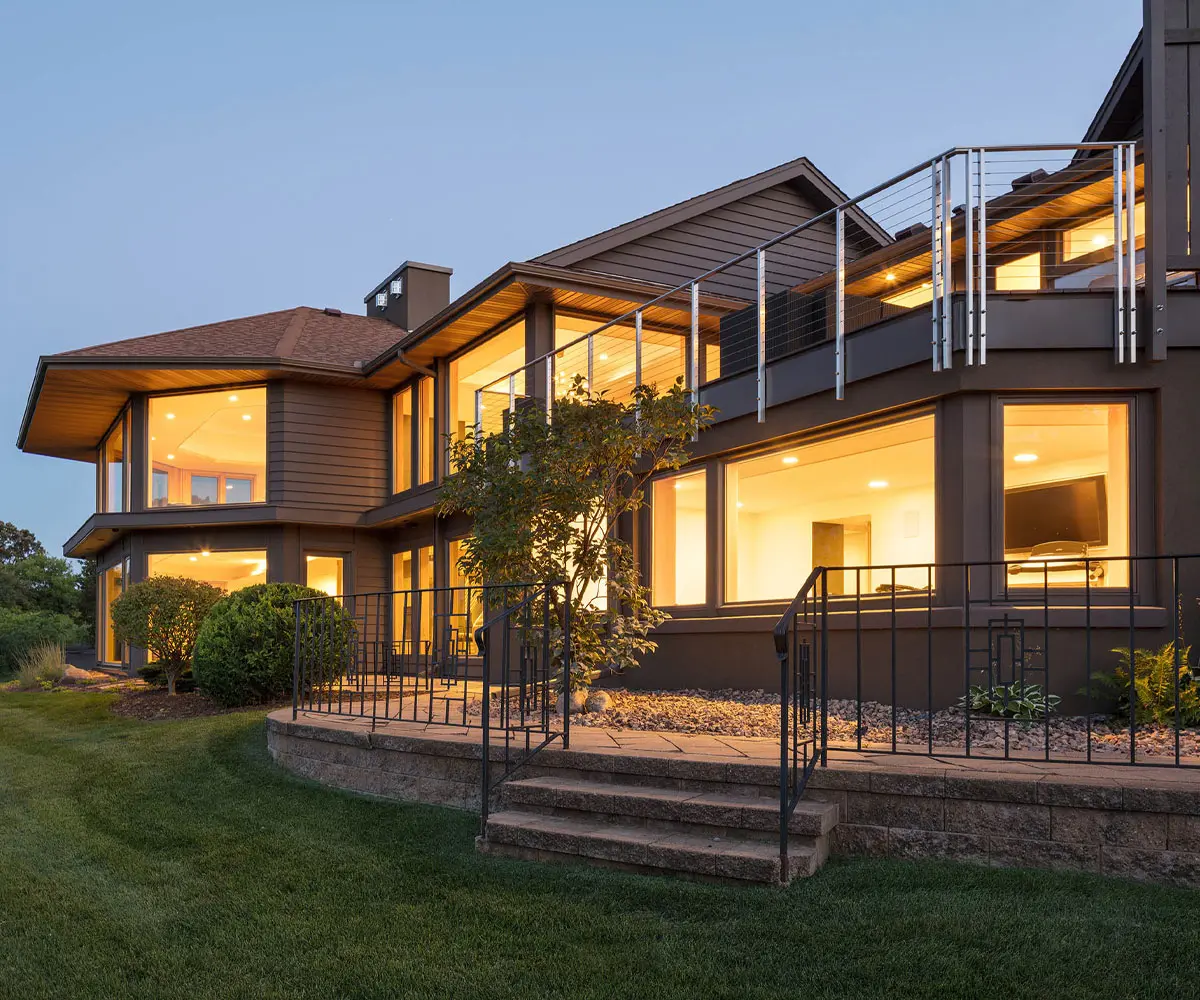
x=485, y=765
x=1118, y=259
x=839, y=353
x=784, y=783
x=762, y=335
x=935, y=247
x=591, y=342
x=566, y=666
x=694, y=364
x=296, y=663
x=947, y=285
x=1131, y=238
x=983, y=275
x=549, y=386
x=969, y=256
x=478, y=418
x=512, y=394
x=637, y=348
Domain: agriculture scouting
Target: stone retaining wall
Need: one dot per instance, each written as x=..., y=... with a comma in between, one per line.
x=1121, y=821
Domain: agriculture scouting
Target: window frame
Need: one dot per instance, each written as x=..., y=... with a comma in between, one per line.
x=408, y=388
x=1001, y=591
x=122, y=423
x=706, y=470
x=719, y=536
x=147, y=457
x=498, y=330
x=347, y=558
x=102, y=617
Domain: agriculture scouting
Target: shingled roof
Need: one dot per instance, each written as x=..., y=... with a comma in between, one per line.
x=315, y=336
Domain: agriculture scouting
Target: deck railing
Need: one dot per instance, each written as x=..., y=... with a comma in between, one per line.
x=968, y=224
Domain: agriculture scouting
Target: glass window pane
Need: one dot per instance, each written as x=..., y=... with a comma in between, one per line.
x=199, y=439
x=1066, y=493
x=482, y=365
x=228, y=570
x=238, y=490
x=114, y=468
x=324, y=573
x=204, y=489
x=402, y=429
x=425, y=585
x=1021, y=275
x=678, y=560
x=860, y=499
x=428, y=431
x=112, y=583
x=403, y=620
x=466, y=604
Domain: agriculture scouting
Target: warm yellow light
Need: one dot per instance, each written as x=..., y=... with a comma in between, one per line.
x=309, y=558
x=890, y=276
x=170, y=457
x=878, y=484
x=740, y=505
x=205, y=552
x=790, y=460
x=170, y=416
x=153, y=438
x=245, y=416
x=1025, y=456
x=233, y=398
x=603, y=357
x=192, y=559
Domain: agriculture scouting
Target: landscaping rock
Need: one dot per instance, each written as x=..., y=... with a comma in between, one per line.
x=598, y=701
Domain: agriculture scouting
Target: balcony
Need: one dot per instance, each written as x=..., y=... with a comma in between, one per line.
x=935, y=246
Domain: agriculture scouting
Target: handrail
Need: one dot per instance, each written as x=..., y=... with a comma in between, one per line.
x=781, y=626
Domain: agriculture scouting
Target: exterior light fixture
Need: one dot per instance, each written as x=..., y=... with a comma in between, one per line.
x=397, y=286
x=790, y=460
x=381, y=300
x=1025, y=456
x=878, y=484
x=890, y=276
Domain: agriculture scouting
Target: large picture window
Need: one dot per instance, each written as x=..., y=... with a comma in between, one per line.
x=1066, y=493
x=228, y=570
x=112, y=585
x=325, y=573
x=402, y=437
x=412, y=602
x=494, y=358
x=427, y=430
x=860, y=499
x=208, y=448
x=678, y=564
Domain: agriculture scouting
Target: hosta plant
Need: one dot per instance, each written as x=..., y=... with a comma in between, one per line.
x=1022, y=701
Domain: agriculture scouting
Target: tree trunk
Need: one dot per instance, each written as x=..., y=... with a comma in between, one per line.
x=170, y=682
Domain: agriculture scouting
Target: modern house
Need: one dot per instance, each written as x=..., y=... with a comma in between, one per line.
x=987, y=359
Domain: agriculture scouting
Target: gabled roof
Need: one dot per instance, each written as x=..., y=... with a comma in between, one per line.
x=1120, y=113
x=798, y=171
x=305, y=335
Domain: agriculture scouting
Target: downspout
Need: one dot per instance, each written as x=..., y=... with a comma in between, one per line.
x=404, y=360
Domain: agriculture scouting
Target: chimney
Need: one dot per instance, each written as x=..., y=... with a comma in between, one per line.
x=411, y=294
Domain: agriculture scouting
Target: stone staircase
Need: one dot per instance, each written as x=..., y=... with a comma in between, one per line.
x=659, y=825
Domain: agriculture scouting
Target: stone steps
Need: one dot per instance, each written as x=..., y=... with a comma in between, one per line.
x=725, y=835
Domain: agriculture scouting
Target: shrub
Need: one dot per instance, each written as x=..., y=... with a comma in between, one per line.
x=1025, y=702
x=163, y=615
x=41, y=666
x=21, y=631
x=244, y=653
x=152, y=673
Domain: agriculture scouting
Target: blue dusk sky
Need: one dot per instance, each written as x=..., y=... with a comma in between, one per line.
x=164, y=165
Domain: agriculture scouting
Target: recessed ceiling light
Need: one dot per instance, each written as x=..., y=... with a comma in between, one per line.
x=192, y=559
x=889, y=276
x=233, y=397
x=205, y=552
x=170, y=416
x=153, y=438
x=1025, y=456
x=878, y=484
x=740, y=505
x=245, y=416
x=790, y=460
x=169, y=457
x=603, y=357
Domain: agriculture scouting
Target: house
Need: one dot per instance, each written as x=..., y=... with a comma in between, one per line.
x=986, y=360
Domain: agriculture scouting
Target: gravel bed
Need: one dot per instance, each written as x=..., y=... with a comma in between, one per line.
x=756, y=713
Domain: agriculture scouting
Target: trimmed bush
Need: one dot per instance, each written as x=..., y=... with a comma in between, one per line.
x=21, y=631
x=163, y=615
x=244, y=652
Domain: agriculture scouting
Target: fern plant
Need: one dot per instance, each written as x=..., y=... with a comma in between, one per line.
x=1154, y=680
x=1022, y=701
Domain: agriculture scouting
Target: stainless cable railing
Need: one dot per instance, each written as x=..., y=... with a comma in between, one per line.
x=971, y=222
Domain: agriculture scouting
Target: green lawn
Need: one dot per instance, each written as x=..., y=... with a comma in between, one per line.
x=175, y=860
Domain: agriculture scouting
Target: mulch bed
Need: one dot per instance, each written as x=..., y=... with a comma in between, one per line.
x=152, y=705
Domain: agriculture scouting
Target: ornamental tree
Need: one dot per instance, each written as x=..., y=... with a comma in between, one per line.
x=163, y=615
x=546, y=498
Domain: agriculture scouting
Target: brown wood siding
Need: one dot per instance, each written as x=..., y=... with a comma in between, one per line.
x=327, y=447
x=680, y=252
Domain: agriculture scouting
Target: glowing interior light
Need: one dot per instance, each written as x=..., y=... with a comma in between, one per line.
x=192, y=559
x=170, y=458
x=889, y=276
x=1025, y=456
x=205, y=552
x=790, y=460
x=740, y=505
x=245, y=416
x=878, y=484
x=233, y=398
x=603, y=357
x=170, y=416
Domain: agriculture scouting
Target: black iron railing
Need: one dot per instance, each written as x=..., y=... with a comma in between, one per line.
x=1066, y=659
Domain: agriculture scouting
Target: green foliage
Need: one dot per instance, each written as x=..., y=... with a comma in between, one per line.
x=1026, y=702
x=163, y=615
x=244, y=652
x=17, y=543
x=1155, y=676
x=152, y=673
x=41, y=666
x=545, y=497
x=40, y=583
x=22, y=630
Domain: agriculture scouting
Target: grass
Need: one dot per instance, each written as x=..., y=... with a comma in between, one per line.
x=166, y=860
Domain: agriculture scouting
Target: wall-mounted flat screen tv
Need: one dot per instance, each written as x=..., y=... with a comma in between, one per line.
x=1070, y=510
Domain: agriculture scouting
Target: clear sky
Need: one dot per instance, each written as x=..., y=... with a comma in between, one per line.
x=166, y=164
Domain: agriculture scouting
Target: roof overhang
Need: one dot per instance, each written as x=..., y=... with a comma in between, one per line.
x=74, y=399
x=502, y=296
